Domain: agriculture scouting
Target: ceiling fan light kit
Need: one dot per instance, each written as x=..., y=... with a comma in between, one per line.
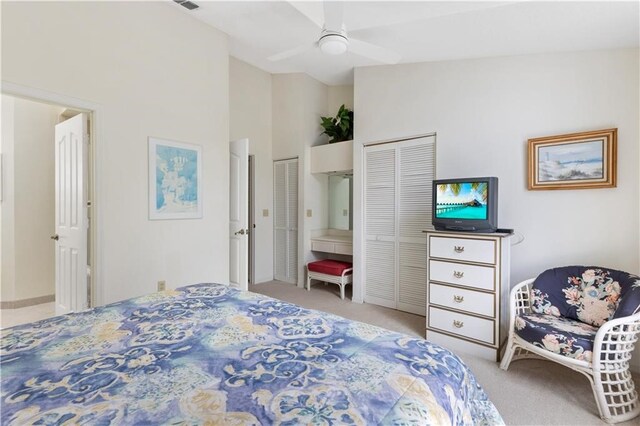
x=333, y=43
x=334, y=40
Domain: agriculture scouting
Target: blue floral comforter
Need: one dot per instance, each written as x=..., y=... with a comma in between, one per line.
x=212, y=354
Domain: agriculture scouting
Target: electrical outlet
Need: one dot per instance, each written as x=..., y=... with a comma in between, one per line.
x=162, y=285
x=265, y=212
x=345, y=212
x=309, y=213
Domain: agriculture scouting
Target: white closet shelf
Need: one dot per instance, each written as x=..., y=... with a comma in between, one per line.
x=332, y=158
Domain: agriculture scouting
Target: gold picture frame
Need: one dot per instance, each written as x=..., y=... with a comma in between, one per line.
x=573, y=161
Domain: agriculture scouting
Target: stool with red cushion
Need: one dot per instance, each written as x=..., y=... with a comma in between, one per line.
x=331, y=271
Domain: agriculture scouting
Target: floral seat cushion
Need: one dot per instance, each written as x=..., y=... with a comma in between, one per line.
x=563, y=336
x=588, y=294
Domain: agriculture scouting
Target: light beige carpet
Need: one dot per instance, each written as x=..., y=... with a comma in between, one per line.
x=532, y=392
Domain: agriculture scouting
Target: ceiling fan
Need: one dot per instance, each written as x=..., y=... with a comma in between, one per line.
x=333, y=38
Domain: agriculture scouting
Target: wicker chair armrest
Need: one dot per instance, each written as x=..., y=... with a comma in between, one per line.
x=614, y=342
x=519, y=301
x=520, y=298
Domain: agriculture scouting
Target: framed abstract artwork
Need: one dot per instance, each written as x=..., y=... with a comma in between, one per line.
x=574, y=161
x=175, y=180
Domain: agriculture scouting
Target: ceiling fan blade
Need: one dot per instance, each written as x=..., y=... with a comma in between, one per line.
x=372, y=51
x=291, y=52
x=312, y=10
x=333, y=13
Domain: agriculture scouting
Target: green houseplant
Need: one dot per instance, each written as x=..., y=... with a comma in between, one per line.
x=340, y=127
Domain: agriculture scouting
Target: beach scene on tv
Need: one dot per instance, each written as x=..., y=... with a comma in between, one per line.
x=464, y=200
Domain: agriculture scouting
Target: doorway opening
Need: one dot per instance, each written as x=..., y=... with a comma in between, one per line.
x=47, y=229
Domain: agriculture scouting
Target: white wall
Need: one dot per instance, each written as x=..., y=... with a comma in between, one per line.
x=7, y=224
x=250, y=117
x=32, y=203
x=339, y=192
x=337, y=96
x=298, y=103
x=154, y=71
x=485, y=110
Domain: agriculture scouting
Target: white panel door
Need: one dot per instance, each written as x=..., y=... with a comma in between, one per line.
x=239, y=214
x=71, y=215
x=397, y=196
x=285, y=220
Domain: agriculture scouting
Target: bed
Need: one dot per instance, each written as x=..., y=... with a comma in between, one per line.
x=212, y=354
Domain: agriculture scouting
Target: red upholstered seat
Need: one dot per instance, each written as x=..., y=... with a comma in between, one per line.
x=330, y=267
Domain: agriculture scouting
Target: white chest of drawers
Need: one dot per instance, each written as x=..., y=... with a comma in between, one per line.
x=467, y=291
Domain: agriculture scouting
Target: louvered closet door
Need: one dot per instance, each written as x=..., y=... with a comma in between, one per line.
x=380, y=225
x=292, y=224
x=285, y=220
x=397, y=196
x=416, y=161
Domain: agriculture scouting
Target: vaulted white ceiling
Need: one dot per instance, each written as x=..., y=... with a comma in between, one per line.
x=419, y=31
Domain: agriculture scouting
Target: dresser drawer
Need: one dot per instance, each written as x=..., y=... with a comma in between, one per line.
x=464, y=300
x=343, y=248
x=483, y=251
x=462, y=325
x=482, y=277
x=322, y=246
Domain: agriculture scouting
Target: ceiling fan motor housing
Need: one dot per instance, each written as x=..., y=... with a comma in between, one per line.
x=333, y=42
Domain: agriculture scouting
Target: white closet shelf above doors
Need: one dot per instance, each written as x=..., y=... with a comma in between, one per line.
x=332, y=158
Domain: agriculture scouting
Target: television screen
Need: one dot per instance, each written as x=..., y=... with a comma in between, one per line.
x=462, y=200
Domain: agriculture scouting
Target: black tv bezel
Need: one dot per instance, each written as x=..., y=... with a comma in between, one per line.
x=490, y=224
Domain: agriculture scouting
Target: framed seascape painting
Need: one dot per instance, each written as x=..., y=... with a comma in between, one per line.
x=573, y=161
x=175, y=180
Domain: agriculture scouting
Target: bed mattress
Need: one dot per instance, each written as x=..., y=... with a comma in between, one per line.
x=212, y=354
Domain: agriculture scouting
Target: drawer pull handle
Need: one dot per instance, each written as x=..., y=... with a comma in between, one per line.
x=458, y=249
x=458, y=274
x=458, y=299
x=458, y=324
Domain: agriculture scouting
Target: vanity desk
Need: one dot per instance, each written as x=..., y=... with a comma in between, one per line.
x=333, y=241
x=332, y=248
x=338, y=268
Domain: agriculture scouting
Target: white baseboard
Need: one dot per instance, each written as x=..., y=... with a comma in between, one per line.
x=263, y=280
x=16, y=304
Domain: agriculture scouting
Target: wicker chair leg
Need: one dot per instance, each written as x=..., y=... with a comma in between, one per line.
x=616, y=396
x=508, y=355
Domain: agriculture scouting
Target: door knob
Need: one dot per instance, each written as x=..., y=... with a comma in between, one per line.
x=240, y=232
x=55, y=237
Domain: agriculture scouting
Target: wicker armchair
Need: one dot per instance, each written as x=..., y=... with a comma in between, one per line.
x=587, y=319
